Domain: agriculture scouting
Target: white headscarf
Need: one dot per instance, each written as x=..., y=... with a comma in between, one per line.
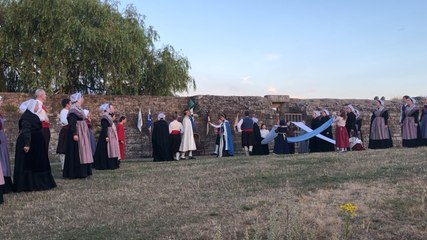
x=104, y=107
x=326, y=111
x=316, y=113
x=413, y=100
x=75, y=97
x=161, y=116
x=1, y=98
x=351, y=108
x=31, y=105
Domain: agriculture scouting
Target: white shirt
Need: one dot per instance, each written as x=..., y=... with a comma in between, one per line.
x=176, y=126
x=63, y=117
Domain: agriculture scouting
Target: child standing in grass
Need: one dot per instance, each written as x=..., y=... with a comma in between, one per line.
x=341, y=135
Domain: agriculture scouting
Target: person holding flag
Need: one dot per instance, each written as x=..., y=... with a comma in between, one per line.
x=188, y=144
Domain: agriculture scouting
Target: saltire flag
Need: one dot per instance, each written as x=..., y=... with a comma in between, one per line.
x=149, y=120
x=190, y=106
x=139, y=124
x=208, y=119
x=236, y=121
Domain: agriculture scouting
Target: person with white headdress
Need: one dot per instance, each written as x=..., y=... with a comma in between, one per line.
x=423, y=123
x=78, y=157
x=379, y=133
x=107, y=149
x=61, y=148
x=314, y=142
x=325, y=146
x=175, y=130
x=350, y=122
x=411, y=132
x=32, y=170
x=188, y=144
x=4, y=156
x=160, y=140
x=91, y=133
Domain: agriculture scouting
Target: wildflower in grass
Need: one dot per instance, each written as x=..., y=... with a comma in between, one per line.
x=349, y=211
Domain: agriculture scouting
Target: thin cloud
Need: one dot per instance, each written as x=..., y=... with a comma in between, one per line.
x=247, y=80
x=272, y=57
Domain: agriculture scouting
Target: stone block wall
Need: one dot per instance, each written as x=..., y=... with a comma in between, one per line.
x=138, y=143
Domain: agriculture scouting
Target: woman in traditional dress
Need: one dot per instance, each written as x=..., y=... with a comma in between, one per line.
x=4, y=156
x=350, y=122
x=264, y=131
x=78, y=157
x=32, y=170
x=411, y=132
x=423, y=123
x=325, y=146
x=341, y=135
x=281, y=141
x=107, y=149
x=379, y=133
x=314, y=142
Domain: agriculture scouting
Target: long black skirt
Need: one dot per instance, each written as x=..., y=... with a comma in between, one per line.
x=32, y=170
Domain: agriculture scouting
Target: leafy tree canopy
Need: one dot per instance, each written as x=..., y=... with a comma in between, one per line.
x=85, y=45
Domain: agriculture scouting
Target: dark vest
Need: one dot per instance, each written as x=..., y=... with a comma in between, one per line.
x=248, y=123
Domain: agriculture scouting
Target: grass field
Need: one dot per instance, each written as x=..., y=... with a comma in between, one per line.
x=269, y=197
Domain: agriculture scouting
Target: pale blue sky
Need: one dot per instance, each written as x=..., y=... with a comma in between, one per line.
x=301, y=48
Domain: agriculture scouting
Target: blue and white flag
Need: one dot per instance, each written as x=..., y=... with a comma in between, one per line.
x=150, y=119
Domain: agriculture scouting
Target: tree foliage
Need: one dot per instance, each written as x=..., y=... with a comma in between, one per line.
x=88, y=46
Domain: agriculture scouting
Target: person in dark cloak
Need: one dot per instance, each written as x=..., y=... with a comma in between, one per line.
x=325, y=146
x=160, y=140
x=32, y=170
x=281, y=141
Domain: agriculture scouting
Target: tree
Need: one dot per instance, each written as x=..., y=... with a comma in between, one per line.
x=85, y=45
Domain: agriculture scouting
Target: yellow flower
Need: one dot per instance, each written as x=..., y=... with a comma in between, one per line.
x=349, y=208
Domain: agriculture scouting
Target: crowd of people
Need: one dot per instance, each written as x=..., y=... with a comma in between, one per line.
x=79, y=152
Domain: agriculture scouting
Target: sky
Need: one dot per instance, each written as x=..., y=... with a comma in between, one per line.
x=302, y=48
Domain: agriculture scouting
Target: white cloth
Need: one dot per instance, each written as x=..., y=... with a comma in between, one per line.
x=63, y=117
x=239, y=125
x=187, y=140
x=264, y=132
x=31, y=105
x=176, y=126
x=353, y=141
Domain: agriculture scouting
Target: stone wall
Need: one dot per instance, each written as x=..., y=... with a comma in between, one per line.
x=138, y=143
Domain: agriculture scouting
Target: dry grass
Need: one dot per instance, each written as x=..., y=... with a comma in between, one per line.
x=272, y=197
